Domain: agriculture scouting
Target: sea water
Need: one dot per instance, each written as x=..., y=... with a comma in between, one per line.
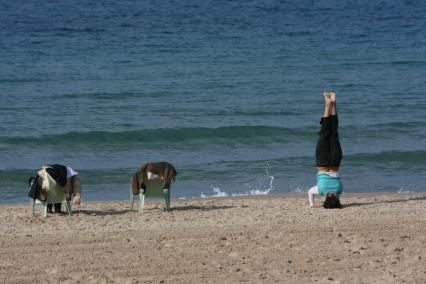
x=227, y=91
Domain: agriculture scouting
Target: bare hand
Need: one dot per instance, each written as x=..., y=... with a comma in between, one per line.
x=315, y=206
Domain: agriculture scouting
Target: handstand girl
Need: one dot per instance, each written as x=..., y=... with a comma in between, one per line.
x=328, y=157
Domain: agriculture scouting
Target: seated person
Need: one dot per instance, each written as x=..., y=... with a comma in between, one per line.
x=161, y=171
x=65, y=177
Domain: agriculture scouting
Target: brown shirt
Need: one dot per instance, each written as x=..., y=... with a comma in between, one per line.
x=164, y=169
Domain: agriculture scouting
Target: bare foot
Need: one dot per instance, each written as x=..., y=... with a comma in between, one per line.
x=332, y=96
x=327, y=96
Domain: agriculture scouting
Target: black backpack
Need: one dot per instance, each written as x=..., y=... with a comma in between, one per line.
x=34, y=188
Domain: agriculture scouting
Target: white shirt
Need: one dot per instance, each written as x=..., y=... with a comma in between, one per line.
x=71, y=172
x=332, y=174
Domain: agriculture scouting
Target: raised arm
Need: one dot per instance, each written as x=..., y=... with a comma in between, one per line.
x=311, y=193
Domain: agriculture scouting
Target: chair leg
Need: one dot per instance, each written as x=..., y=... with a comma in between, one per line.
x=167, y=199
x=132, y=198
x=44, y=209
x=141, y=202
x=32, y=201
x=69, y=210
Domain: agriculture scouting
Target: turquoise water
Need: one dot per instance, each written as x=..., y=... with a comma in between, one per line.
x=228, y=91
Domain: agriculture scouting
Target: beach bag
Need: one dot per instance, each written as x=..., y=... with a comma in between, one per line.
x=34, y=188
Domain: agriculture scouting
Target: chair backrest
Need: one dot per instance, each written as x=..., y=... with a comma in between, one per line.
x=154, y=187
x=55, y=192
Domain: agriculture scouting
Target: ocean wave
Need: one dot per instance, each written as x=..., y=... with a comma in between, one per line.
x=236, y=134
x=385, y=63
x=68, y=30
x=258, y=113
x=417, y=156
x=22, y=80
x=106, y=95
x=382, y=130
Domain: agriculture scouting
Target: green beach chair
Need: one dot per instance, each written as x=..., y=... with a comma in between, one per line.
x=55, y=194
x=154, y=188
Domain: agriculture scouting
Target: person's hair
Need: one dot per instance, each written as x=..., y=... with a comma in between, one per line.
x=332, y=201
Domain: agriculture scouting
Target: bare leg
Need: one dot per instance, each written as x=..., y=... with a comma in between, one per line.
x=327, y=104
x=335, y=148
x=333, y=103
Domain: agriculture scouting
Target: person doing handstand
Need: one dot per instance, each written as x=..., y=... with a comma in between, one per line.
x=328, y=157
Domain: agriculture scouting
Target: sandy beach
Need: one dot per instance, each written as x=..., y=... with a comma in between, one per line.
x=263, y=239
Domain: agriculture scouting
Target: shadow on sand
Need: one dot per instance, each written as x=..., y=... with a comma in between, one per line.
x=202, y=208
x=178, y=208
x=102, y=212
x=382, y=202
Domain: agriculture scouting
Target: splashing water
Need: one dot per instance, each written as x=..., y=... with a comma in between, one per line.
x=265, y=186
x=218, y=192
x=299, y=190
x=403, y=190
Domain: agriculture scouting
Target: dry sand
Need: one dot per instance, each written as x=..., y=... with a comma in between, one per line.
x=276, y=238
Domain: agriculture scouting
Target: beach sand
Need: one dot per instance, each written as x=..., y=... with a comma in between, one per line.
x=263, y=239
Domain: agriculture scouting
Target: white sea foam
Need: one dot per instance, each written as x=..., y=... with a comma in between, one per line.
x=403, y=190
x=218, y=192
x=299, y=190
x=263, y=187
x=252, y=192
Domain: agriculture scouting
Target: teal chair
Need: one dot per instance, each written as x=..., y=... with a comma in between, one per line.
x=55, y=194
x=154, y=188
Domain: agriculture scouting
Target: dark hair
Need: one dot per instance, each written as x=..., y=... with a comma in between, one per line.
x=332, y=201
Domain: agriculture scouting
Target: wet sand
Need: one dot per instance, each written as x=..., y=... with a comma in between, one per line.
x=375, y=238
